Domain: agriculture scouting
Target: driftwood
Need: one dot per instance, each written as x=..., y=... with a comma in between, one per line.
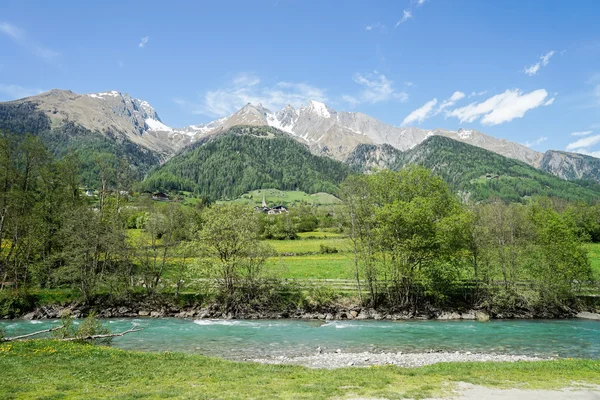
x=108, y=335
x=10, y=339
x=89, y=337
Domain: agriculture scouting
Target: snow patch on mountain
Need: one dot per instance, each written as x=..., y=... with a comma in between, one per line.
x=464, y=133
x=155, y=125
x=112, y=93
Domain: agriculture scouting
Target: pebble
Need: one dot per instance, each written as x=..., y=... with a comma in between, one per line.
x=408, y=360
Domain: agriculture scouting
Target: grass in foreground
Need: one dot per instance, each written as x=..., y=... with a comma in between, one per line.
x=47, y=369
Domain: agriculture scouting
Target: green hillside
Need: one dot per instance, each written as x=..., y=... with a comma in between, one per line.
x=286, y=197
x=246, y=158
x=92, y=148
x=481, y=174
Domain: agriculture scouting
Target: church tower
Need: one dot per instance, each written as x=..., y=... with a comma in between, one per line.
x=264, y=203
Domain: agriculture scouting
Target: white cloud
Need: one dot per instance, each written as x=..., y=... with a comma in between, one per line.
x=544, y=60
x=377, y=88
x=420, y=114
x=477, y=94
x=144, y=41
x=406, y=15
x=377, y=25
x=21, y=37
x=428, y=110
x=456, y=96
x=420, y=2
x=537, y=141
x=589, y=153
x=581, y=133
x=503, y=107
x=247, y=88
x=351, y=100
x=12, y=92
x=584, y=143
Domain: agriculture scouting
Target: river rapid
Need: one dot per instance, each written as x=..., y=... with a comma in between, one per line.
x=285, y=339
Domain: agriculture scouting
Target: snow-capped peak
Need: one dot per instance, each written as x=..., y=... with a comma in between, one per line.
x=319, y=108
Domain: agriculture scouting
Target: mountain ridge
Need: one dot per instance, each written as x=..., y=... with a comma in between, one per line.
x=337, y=134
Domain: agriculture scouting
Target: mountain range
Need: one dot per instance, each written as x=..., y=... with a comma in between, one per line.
x=114, y=118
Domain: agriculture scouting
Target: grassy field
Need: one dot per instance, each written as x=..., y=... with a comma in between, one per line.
x=316, y=266
x=304, y=246
x=306, y=261
x=283, y=197
x=594, y=255
x=53, y=370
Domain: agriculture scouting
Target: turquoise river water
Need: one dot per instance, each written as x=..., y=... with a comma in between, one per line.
x=240, y=339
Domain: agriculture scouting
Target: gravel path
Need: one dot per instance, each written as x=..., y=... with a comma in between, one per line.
x=338, y=359
x=472, y=392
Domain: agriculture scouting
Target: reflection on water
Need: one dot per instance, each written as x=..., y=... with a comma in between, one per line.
x=239, y=339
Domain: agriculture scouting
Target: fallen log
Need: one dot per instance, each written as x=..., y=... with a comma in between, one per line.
x=71, y=339
x=10, y=339
x=108, y=335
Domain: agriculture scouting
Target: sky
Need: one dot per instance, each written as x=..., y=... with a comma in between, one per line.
x=525, y=71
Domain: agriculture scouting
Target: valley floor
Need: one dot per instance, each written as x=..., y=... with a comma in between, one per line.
x=48, y=369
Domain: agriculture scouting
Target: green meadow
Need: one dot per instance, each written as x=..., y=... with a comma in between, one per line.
x=44, y=369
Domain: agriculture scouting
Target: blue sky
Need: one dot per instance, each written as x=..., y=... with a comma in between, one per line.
x=527, y=71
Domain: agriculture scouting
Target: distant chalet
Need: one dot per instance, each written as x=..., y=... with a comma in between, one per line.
x=160, y=196
x=270, y=210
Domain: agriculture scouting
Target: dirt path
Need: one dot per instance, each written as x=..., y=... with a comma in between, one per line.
x=472, y=392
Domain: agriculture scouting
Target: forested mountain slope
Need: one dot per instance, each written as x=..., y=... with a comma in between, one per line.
x=245, y=158
x=22, y=118
x=480, y=174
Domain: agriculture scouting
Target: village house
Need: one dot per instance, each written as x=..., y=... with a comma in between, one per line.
x=270, y=210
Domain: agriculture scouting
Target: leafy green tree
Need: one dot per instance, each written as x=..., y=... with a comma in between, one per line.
x=231, y=243
x=560, y=263
x=407, y=227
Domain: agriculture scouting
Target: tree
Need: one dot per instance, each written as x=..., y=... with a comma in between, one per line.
x=229, y=236
x=406, y=227
x=560, y=263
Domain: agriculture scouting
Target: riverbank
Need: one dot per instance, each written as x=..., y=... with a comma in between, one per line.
x=338, y=359
x=330, y=313
x=47, y=369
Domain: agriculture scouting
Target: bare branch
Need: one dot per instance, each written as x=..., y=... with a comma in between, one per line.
x=10, y=339
x=109, y=335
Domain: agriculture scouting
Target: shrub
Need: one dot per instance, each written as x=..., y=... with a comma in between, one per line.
x=324, y=249
x=89, y=327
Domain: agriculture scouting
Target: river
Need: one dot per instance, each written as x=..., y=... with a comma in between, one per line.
x=246, y=339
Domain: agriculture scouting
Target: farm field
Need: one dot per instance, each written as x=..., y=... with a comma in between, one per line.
x=283, y=197
x=314, y=266
x=303, y=258
x=303, y=246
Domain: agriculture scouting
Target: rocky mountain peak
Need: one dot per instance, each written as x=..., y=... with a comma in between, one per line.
x=319, y=109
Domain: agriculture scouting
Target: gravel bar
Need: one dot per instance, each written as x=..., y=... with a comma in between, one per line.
x=408, y=360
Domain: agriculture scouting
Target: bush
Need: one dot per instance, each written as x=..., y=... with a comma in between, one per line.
x=324, y=249
x=14, y=304
x=321, y=296
x=89, y=327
